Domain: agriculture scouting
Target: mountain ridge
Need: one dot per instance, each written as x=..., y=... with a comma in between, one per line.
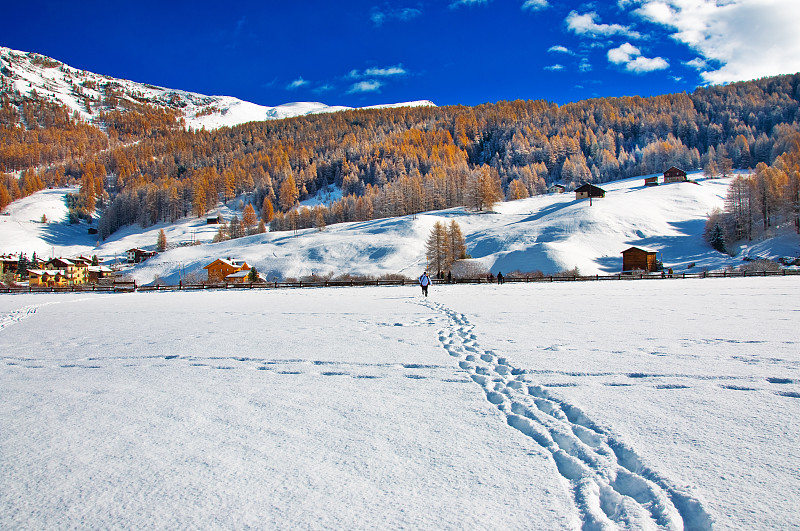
x=82, y=91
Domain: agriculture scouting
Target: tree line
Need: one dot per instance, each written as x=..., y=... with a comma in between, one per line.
x=138, y=164
x=756, y=203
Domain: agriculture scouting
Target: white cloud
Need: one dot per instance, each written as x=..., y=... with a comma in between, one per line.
x=296, y=84
x=584, y=65
x=459, y=3
x=643, y=64
x=697, y=63
x=587, y=25
x=535, y=5
x=560, y=49
x=385, y=72
x=738, y=39
x=369, y=85
x=327, y=87
x=630, y=56
x=379, y=16
x=555, y=68
x=623, y=53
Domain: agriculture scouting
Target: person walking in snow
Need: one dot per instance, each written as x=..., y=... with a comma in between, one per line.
x=425, y=281
x=500, y=277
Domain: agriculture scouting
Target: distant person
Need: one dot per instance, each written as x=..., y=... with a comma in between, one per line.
x=449, y=277
x=500, y=277
x=424, y=282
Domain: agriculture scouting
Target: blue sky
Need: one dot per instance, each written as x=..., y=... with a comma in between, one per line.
x=466, y=52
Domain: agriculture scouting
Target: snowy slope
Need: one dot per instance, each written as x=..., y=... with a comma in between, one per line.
x=26, y=72
x=547, y=406
x=547, y=233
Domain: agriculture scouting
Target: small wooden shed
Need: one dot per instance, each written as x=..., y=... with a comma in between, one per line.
x=674, y=175
x=636, y=258
x=651, y=181
x=589, y=190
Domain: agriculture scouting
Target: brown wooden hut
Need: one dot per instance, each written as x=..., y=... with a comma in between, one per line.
x=589, y=190
x=674, y=175
x=635, y=258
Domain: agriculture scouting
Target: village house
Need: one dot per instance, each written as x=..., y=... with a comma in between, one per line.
x=556, y=189
x=137, y=255
x=589, y=191
x=638, y=259
x=99, y=273
x=674, y=175
x=75, y=271
x=220, y=269
x=9, y=263
x=47, y=278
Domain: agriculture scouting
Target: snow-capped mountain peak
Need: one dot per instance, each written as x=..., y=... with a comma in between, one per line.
x=85, y=92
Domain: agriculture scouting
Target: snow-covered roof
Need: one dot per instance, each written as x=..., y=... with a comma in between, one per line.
x=239, y=274
x=42, y=272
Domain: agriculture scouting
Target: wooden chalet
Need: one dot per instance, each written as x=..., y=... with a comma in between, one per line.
x=638, y=259
x=137, y=255
x=651, y=181
x=589, y=191
x=220, y=269
x=557, y=189
x=674, y=175
x=99, y=273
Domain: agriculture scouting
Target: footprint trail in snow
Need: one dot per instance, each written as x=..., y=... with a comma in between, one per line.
x=610, y=485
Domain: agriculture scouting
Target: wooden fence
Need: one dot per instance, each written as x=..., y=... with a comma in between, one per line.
x=129, y=287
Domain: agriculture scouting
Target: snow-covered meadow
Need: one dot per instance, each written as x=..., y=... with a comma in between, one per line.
x=550, y=233
x=642, y=404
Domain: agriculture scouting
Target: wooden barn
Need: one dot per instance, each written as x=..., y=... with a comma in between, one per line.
x=588, y=191
x=556, y=189
x=638, y=259
x=674, y=175
x=651, y=181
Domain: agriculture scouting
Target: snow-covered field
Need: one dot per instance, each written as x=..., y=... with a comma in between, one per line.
x=663, y=404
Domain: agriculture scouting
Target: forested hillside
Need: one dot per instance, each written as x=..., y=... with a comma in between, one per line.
x=137, y=163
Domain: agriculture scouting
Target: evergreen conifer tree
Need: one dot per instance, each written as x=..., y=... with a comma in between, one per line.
x=717, y=239
x=22, y=266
